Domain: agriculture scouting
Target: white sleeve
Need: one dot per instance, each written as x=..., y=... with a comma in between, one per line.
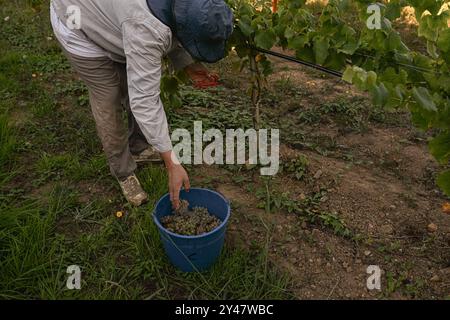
x=178, y=56
x=144, y=47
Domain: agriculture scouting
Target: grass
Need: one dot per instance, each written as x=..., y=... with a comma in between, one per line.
x=32, y=258
x=58, y=200
x=7, y=140
x=54, y=167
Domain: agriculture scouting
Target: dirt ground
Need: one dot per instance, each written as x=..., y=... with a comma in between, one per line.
x=380, y=181
x=365, y=172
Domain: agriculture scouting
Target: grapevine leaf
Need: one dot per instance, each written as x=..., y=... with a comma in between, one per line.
x=430, y=5
x=444, y=40
x=265, y=39
x=298, y=42
x=306, y=54
x=443, y=181
x=348, y=75
x=335, y=61
x=393, y=10
x=371, y=79
x=321, y=46
x=360, y=79
x=349, y=47
x=242, y=50
x=266, y=67
x=396, y=96
x=390, y=75
x=432, y=50
x=175, y=101
x=429, y=24
x=440, y=147
x=289, y=33
x=246, y=29
x=394, y=41
x=424, y=99
x=169, y=85
x=419, y=119
x=380, y=95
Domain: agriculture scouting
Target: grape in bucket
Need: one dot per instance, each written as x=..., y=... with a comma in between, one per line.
x=188, y=222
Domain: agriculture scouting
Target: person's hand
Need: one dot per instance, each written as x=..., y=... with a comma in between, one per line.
x=177, y=178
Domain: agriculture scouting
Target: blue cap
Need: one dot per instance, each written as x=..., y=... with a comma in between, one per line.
x=203, y=27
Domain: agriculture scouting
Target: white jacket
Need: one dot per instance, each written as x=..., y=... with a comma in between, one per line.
x=128, y=32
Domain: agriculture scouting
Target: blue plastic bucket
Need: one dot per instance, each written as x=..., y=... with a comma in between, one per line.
x=194, y=253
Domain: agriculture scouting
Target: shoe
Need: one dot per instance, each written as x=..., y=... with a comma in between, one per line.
x=148, y=155
x=132, y=190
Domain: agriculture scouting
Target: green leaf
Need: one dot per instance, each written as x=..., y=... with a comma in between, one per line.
x=390, y=75
x=349, y=47
x=380, y=95
x=422, y=5
x=425, y=30
x=348, y=75
x=175, y=101
x=378, y=41
x=289, y=33
x=443, y=181
x=393, y=10
x=440, y=147
x=266, y=67
x=424, y=99
x=321, y=46
x=242, y=50
x=335, y=61
x=306, y=54
x=360, y=79
x=265, y=39
x=432, y=50
x=394, y=41
x=169, y=84
x=371, y=79
x=246, y=29
x=419, y=119
x=444, y=40
x=396, y=96
x=298, y=42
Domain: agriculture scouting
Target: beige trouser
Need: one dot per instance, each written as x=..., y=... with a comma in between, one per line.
x=108, y=95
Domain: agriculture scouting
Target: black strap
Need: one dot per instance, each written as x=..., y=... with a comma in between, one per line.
x=305, y=63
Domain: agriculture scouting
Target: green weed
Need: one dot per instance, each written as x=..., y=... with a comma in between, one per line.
x=298, y=167
x=7, y=140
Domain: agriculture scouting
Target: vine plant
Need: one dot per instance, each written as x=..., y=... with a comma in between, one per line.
x=375, y=60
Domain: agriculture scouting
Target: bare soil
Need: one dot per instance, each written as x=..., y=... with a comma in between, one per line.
x=379, y=180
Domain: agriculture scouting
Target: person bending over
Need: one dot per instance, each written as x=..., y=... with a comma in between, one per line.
x=117, y=48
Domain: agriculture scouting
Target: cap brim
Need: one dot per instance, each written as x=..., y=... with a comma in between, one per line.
x=204, y=51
